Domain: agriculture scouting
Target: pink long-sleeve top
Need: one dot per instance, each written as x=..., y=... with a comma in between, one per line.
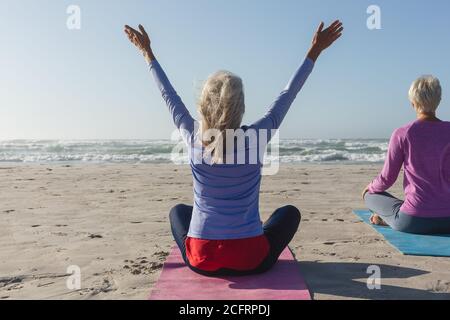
x=423, y=149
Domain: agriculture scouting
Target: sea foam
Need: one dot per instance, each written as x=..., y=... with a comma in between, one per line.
x=161, y=151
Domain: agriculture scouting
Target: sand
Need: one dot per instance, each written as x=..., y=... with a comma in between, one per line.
x=111, y=221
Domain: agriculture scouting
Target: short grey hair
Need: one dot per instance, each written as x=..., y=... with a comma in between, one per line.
x=425, y=93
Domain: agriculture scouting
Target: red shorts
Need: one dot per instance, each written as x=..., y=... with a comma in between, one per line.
x=240, y=254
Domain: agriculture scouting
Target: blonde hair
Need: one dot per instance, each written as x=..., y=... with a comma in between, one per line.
x=221, y=106
x=425, y=94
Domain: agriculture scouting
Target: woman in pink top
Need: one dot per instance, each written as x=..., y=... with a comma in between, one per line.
x=423, y=149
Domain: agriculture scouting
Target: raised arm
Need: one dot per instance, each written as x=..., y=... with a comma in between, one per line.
x=279, y=108
x=180, y=114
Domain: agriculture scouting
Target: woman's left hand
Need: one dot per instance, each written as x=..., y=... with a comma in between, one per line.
x=365, y=191
x=141, y=40
x=325, y=38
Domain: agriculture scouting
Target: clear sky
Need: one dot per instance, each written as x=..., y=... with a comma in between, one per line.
x=57, y=83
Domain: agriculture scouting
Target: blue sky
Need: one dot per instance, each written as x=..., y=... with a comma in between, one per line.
x=91, y=83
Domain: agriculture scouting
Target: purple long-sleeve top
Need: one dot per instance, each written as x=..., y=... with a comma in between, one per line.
x=226, y=196
x=423, y=149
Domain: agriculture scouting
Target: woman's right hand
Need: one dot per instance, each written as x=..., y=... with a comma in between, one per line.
x=365, y=191
x=141, y=40
x=325, y=38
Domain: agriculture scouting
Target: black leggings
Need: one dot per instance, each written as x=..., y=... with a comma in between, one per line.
x=279, y=231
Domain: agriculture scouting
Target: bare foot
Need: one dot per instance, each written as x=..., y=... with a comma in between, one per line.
x=376, y=220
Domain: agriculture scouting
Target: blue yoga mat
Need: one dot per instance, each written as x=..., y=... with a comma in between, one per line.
x=411, y=244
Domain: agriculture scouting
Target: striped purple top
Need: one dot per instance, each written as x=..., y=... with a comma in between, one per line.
x=226, y=196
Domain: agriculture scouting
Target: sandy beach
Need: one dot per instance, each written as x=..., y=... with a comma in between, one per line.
x=111, y=220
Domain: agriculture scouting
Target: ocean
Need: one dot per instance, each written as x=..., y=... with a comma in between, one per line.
x=348, y=151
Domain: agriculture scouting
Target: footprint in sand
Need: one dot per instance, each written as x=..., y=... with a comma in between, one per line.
x=382, y=256
x=107, y=285
x=161, y=255
x=16, y=282
x=141, y=265
x=439, y=286
x=95, y=236
x=6, y=281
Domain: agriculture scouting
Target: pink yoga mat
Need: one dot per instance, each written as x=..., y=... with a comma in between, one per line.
x=282, y=282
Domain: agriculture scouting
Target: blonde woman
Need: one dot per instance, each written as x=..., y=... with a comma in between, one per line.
x=222, y=234
x=423, y=149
